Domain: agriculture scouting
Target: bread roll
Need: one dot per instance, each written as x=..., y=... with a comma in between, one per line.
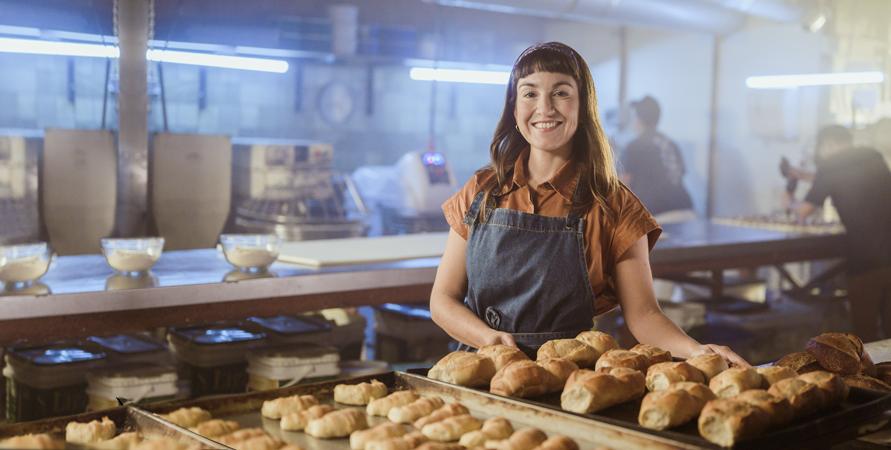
x=32, y=441
x=338, y=423
x=800, y=362
x=414, y=410
x=216, y=427
x=359, y=394
x=464, y=369
x=560, y=370
x=882, y=372
x=275, y=409
x=439, y=446
x=867, y=382
x=698, y=390
x=587, y=392
x=297, y=421
x=442, y=413
x=522, y=379
x=726, y=421
x=90, y=432
x=836, y=352
x=835, y=391
x=473, y=439
x=654, y=354
x=805, y=398
x=623, y=358
x=123, y=441
x=382, y=406
x=497, y=428
x=661, y=375
x=501, y=354
x=772, y=374
x=710, y=364
x=734, y=380
x=406, y=442
x=665, y=409
x=525, y=439
x=166, y=443
x=187, y=417
x=558, y=442
x=240, y=435
x=264, y=442
x=778, y=409
x=359, y=439
x=452, y=428
x=598, y=340
x=574, y=350
x=291, y=447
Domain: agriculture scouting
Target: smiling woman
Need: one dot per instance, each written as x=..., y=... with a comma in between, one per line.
x=545, y=237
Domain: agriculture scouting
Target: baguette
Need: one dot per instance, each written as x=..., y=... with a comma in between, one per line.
x=359, y=439
x=661, y=375
x=837, y=352
x=444, y=412
x=414, y=410
x=497, y=428
x=337, y=424
x=452, y=428
x=598, y=340
x=558, y=442
x=359, y=394
x=297, y=421
x=623, y=358
x=805, y=398
x=778, y=409
x=835, y=391
x=800, y=362
x=464, y=369
x=710, y=364
x=734, y=380
x=522, y=379
x=587, y=392
x=501, y=354
x=560, y=370
x=574, y=350
x=654, y=354
x=382, y=406
x=726, y=422
x=772, y=374
x=275, y=409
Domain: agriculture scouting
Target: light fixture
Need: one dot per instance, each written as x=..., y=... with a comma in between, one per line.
x=60, y=48
x=813, y=79
x=459, y=75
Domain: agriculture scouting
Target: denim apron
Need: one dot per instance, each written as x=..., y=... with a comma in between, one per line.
x=526, y=274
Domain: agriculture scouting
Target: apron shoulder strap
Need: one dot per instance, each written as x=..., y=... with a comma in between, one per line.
x=473, y=213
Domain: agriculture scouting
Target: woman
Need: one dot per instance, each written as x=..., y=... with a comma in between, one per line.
x=546, y=237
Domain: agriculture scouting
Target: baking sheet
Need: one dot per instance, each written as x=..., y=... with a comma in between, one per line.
x=333, y=252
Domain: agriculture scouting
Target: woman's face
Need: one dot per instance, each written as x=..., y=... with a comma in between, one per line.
x=547, y=111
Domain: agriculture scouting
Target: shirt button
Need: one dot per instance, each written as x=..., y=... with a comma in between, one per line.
x=493, y=318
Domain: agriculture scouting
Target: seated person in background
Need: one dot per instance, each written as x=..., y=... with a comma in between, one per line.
x=859, y=183
x=653, y=168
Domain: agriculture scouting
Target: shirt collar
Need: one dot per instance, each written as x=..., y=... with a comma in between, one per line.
x=564, y=180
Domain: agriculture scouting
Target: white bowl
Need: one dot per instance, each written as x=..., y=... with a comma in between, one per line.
x=251, y=252
x=24, y=263
x=132, y=255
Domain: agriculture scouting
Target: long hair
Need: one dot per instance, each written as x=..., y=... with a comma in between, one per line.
x=591, y=151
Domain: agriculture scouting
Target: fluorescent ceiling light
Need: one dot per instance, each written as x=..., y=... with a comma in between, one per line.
x=39, y=47
x=459, y=75
x=813, y=79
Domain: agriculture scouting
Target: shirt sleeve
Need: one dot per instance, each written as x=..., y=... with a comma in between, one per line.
x=455, y=208
x=631, y=222
x=819, y=189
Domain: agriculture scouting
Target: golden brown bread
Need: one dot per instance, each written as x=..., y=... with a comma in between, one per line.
x=560, y=369
x=297, y=421
x=882, y=372
x=623, y=358
x=805, y=398
x=867, y=382
x=590, y=391
x=836, y=352
x=574, y=350
x=406, y=442
x=443, y=412
x=727, y=421
x=698, y=390
x=414, y=410
x=835, y=391
x=522, y=379
x=473, y=439
x=778, y=409
x=32, y=441
x=668, y=408
x=452, y=428
x=439, y=446
x=263, y=442
x=497, y=428
x=187, y=417
x=276, y=408
x=240, y=435
x=654, y=354
x=215, y=427
x=661, y=375
x=90, y=432
x=558, y=442
x=359, y=439
x=734, y=380
x=800, y=362
x=598, y=340
x=525, y=439
x=382, y=406
x=501, y=354
x=867, y=367
x=359, y=394
x=123, y=441
x=772, y=374
x=464, y=369
x=338, y=423
x=710, y=364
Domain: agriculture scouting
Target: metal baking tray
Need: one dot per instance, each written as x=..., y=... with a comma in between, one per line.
x=860, y=415
x=590, y=434
x=127, y=418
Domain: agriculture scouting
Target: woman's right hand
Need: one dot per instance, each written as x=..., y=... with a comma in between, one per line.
x=500, y=337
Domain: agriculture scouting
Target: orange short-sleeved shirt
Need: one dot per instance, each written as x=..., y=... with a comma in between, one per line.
x=606, y=240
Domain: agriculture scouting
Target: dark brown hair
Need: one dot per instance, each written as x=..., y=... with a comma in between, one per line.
x=590, y=148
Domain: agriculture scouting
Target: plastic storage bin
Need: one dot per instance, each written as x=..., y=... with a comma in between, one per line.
x=337, y=327
x=214, y=359
x=135, y=382
x=286, y=366
x=132, y=348
x=48, y=381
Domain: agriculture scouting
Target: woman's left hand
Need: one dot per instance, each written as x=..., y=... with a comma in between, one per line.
x=725, y=352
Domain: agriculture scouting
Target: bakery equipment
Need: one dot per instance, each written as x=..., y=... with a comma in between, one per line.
x=18, y=191
x=79, y=179
x=292, y=191
x=427, y=182
x=191, y=182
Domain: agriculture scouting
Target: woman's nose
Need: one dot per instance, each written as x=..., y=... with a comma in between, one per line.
x=545, y=104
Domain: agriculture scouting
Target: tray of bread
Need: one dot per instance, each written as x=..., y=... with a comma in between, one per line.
x=124, y=428
x=829, y=393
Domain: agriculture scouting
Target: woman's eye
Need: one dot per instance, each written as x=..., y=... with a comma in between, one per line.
x=529, y=94
x=561, y=93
